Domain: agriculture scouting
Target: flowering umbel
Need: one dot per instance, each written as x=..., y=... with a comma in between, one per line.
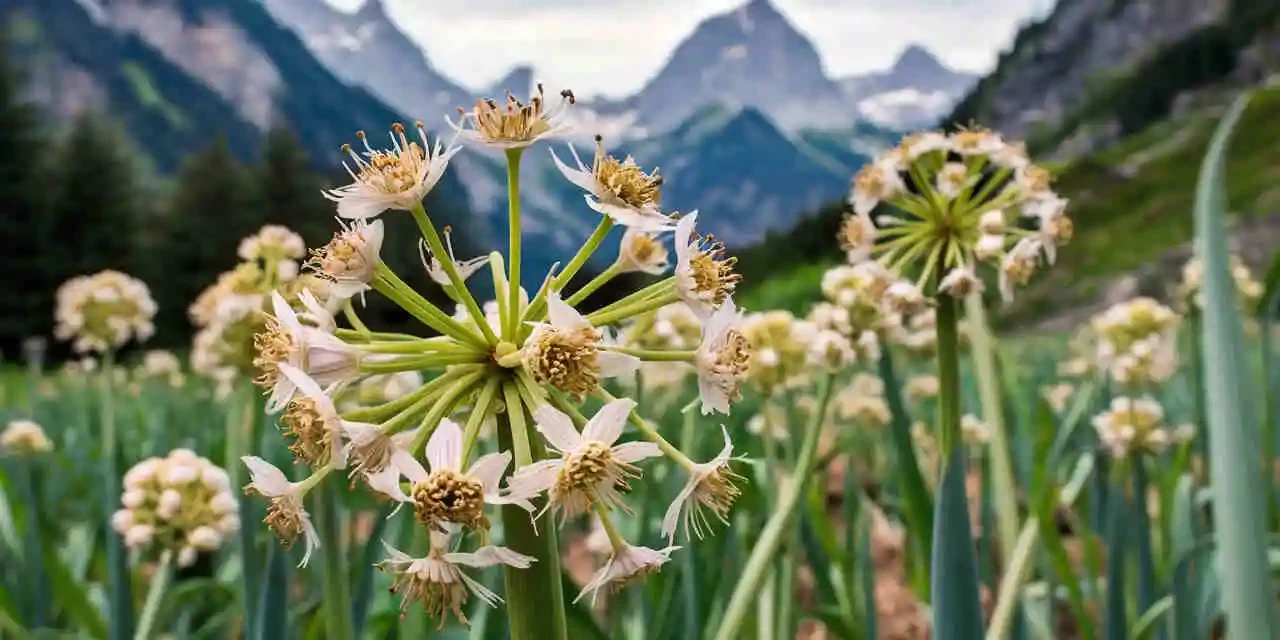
x=959, y=199
x=382, y=405
x=180, y=503
x=102, y=312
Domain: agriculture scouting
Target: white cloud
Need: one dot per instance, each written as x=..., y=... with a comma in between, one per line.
x=612, y=48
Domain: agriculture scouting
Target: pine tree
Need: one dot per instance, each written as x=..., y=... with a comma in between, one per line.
x=95, y=202
x=210, y=210
x=26, y=310
x=289, y=189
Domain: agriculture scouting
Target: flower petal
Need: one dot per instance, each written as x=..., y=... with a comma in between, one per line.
x=582, y=179
x=284, y=313
x=488, y=470
x=408, y=465
x=444, y=449
x=562, y=315
x=614, y=364
x=266, y=478
x=607, y=424
x=557, y=428
x=490, y=556
x=630, y=452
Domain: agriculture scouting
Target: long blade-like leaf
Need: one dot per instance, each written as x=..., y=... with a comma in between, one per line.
x=1233, y=440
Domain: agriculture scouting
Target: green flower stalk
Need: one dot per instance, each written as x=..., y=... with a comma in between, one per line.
x=524, y=365
x=959, y=201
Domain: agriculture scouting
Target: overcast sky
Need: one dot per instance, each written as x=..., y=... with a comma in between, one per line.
x=612, y=47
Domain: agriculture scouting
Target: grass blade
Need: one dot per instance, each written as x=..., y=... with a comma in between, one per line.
x=957, y=613
x=1141, y=519
x=273, y=596
x=1117, y=555
x=917, y=503
x=364, y=584
x=1237, y=485
x=337, y=595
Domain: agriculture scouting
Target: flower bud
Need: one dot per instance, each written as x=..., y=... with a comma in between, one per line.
x=204, y=538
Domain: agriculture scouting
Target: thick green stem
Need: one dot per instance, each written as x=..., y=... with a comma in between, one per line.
x=446, y=260
x=766, y=547
x=984, y=363
x=535, y=596
x=511, y=330
x=155, y=593
x=590, y=287
x=957, y=614
x=118, y=586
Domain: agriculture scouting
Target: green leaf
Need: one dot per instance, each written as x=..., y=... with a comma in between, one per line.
x=273, y=596
x=1117, y=551
x=73, y=596
x=1141, y=520
x=364, y=583
x=957, y=613
x=330, y=524
x=1233, y=439
x=917, y=503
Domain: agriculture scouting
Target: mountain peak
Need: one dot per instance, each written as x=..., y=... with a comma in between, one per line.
x=371, y=10
x=519, y=81
x=917, y=59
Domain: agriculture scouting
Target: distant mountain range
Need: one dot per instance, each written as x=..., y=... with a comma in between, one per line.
x=742, y=119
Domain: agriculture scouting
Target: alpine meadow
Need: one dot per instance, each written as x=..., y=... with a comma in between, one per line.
x=708, y=320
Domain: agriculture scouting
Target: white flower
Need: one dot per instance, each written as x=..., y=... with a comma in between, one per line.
x=641, y=251
x=285, y=513
x=914, y=146
x=187, y=557
x=618, y=189
x=348, y=262
x=704, y=278
x=960, y=282
x=625, y=565
x=989, y=245
x=379, y=458
x=139, y=535
x=590, y=466
x=831, y=351
x=857, y=237
x=395, y=178
x=204, y=538
x=321, y=410
x=952, y=179
x=436, y=270
x=437, y=580
x=272, y=240
x=566, y=352
x=25, y=437
x=973, y=430
x=122, y=520
x=711, y=487
x=991, y=223
x=722, y=359
x=877, y=181
x=450, y=495
x=906, y=298
x=514, y=125
x=1018, y=266
x=287, y=341
x=976, y=142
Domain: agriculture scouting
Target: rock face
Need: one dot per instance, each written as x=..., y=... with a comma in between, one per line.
x=367, y=49
x=1058, y=63
x=916, y=91
x=751, y=56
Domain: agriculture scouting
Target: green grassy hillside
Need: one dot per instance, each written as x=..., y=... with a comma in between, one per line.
x=1139, y=190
